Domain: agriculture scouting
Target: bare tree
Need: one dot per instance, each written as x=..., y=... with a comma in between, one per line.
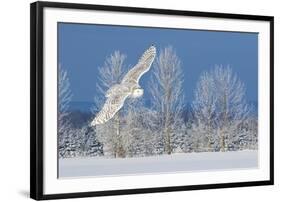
x=167, y=94
x=232, y=107
x=109, y=133
x=204, y=108
x=133, y=132
x=64, y=98
x=220, y=104
x=140, y=136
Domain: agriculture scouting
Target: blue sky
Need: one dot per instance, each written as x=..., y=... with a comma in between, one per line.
x=83, y=48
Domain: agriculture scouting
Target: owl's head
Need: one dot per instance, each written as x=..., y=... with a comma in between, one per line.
x=137, y=92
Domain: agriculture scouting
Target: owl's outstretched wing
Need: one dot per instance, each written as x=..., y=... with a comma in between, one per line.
x=118, y=93
x=141, y=67
x=113, y=104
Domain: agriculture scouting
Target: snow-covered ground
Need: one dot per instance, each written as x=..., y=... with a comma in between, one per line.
x=75, y=167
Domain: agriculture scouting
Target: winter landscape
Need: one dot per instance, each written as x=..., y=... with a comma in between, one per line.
x=183, y=122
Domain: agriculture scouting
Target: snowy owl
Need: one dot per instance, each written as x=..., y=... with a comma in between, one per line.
x=129, y=87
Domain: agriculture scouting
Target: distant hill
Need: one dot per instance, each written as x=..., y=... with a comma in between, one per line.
x=78, y=118
x=80, y=112
x=81, y=106
x=85, y=106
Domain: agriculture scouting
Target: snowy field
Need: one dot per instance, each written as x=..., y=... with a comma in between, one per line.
x=78, y=167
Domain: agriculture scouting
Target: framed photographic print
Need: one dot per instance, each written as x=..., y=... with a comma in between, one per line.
x=136, y=100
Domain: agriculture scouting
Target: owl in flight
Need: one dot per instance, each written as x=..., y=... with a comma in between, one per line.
x=128, y=88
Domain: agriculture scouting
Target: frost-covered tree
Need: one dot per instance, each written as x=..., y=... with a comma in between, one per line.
x=232, y=107
x=247, y=135
x=64, y=98
x=220, y=107
x=133, y=132
x=167, y=96
x=204, y=108
x=110, y=133
x=141, y=138
x=88, y=145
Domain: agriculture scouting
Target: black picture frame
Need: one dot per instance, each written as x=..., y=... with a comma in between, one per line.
x=36, y=99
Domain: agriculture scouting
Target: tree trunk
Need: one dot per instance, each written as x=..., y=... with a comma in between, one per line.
x=168, y=148
x=222, y=140
x=167, y=130
x=209, y=133
x=224, y=122
x=120, y=151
